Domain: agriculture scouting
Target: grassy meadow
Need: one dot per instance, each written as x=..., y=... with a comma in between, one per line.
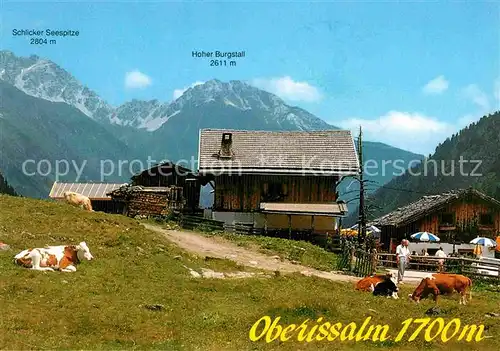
x=102, y=305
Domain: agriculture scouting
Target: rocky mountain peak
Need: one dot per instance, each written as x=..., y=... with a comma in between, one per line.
x=44, y=79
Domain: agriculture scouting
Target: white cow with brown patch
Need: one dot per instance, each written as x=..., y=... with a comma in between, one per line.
x=78, y=200
x=64, y=258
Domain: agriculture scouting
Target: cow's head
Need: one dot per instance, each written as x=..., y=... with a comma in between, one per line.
x=419, y=290
x=390, y=276
x=392, y=287
x=414, y=297
x=83, y=252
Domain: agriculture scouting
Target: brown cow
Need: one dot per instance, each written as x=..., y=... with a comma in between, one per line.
x=63, y=257
x=443, y=284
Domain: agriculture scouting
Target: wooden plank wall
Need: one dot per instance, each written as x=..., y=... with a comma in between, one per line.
x=321, y=224
x=108, y=206
x=168, y=177
x=244, y=193
x=191, y=193
x=466, y=213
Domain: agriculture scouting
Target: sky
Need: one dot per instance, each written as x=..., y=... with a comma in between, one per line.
x=410, y=73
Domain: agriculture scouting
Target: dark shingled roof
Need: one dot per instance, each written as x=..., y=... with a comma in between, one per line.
x=426, y=205
x=284, y=152
x=164, y=169
x=127, y=189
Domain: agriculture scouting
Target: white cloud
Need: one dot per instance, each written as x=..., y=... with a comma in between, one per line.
x=417, y=132
x=477, y=96
x=178, y=92
x=409, y=131
x=288, y=89
x=136, y=80
x=436, y=86
x=466, y=120
x=496, y=92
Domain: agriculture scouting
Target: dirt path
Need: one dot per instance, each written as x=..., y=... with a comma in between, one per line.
x=221, y=248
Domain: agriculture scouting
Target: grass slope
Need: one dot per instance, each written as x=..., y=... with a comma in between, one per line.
x=99, y=306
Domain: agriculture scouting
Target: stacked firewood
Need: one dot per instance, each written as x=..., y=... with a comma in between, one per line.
x=149, y=201
x=148, y=204
x=125, y=192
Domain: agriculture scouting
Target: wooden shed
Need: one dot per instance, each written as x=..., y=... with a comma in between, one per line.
x=159, y=190
x=277, y=180
x=456, y=216
x=169, y=174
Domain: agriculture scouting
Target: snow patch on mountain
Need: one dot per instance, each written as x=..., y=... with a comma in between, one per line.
x=153, y=124
x=44, y=79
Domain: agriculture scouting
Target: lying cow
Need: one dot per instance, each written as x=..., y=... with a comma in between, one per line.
x=372, y=280
x=443, y=284
x=379, y=284
x=63, y=258
x=387, y=288
x=78, y=200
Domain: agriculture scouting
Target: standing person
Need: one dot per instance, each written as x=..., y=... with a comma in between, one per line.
x=478, y=251
x=402, y=258
x=440, y=253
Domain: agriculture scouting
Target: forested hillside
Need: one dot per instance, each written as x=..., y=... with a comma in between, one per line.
x=5, y=188
x=468, y=158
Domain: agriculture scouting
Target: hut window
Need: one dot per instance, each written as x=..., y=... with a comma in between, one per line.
x=486, y=219
x=272, y=191
x=447, y=218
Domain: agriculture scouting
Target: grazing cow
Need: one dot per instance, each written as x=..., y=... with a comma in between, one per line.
x=79, y=200
x=63, y=258
x=370, y=281
x=443, y=284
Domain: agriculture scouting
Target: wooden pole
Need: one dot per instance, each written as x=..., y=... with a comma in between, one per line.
x=265, y=223
x=289, y=226
x=362, y=215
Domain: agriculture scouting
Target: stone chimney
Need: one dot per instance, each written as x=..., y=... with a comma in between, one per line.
x=226, y=144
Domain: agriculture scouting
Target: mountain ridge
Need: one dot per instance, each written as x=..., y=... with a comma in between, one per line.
x=170, y=128
x=26, y=73
x=38, y=133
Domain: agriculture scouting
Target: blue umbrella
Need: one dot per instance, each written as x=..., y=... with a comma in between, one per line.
x=483, y=241
x=425, y=236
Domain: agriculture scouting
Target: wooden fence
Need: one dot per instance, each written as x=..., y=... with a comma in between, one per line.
x=356, y=261
x=198, y=222
x=243, y=229
x=459, y=265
